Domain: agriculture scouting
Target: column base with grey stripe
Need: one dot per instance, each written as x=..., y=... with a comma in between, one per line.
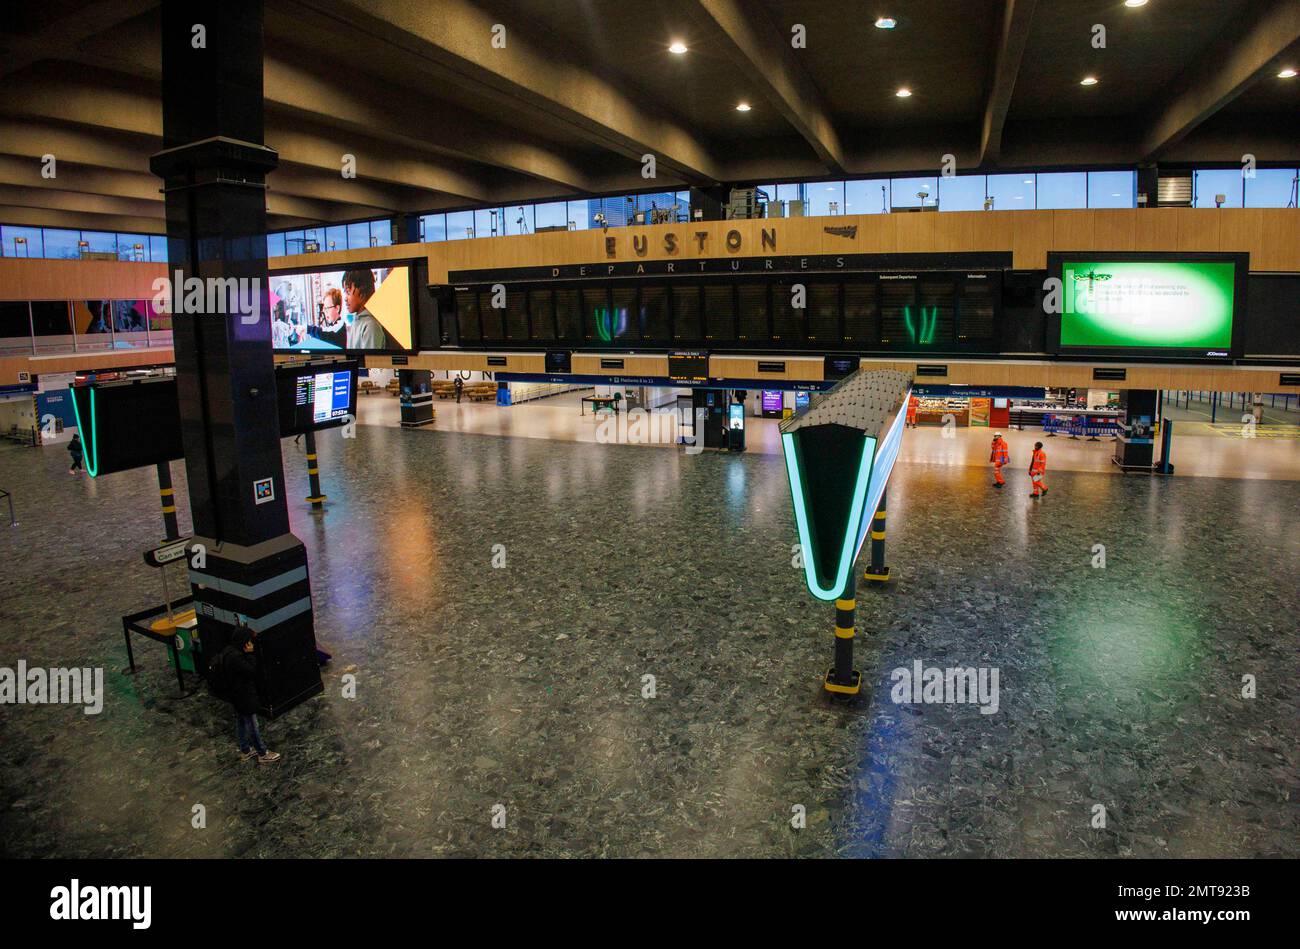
x=266, y=584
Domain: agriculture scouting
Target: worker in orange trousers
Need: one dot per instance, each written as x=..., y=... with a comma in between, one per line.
x=999, y=456
x=1038, y=468
x=911, y=413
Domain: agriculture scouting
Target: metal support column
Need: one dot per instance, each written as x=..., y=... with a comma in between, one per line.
x=842, y=678
x=877, y=572
x=317, y=497
x=168, y=497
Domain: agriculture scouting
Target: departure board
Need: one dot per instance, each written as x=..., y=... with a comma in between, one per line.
x=719, y=312
x=824, y=312
x=654, y=313
x=977, y=311
x=752, y=303
x=861, y=313
x=467, y=316
x=568, y=313
x=686, y=312
x=787, y=319
x=516, y=313
x=540, y=315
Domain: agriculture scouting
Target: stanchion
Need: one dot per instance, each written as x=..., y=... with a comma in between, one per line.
x=877, y=572
x=317, y=497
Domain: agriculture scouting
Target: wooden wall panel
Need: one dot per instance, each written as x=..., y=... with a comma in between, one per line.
x=1072, y=230
x=1031, y=238
x=22, y=279
x=1277, y=246
x=1113, y=230
x=916, y=231
x=469, y=361
x=1197, y=230
x=1156, y=229
x=797, y=368
x=10, y=366
x=588, y=364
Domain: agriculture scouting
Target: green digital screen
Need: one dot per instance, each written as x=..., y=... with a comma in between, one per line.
x=1147, y=304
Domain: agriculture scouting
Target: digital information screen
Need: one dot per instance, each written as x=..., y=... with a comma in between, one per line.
x=328, y=393
x=688, y=366
x=315, y=397
x=1184, y=306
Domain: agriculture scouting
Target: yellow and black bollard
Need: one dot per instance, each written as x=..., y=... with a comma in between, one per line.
x=168, y=497
x=843, y=679
x=877, y=572
x=317, y=497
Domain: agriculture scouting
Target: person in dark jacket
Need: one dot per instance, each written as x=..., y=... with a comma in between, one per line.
x=239, y=669
x=75, y=450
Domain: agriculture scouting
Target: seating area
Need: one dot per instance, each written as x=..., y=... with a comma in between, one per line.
x=473, y=391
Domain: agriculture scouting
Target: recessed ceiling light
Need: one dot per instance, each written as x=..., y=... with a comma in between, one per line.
x=1135, y=3
x=1029, y=181
x=743, y=107
x=678, y=47
x=886, y=23
x=1287, y=73
x=1114, y=194
x=903, y=93
x=1088, y=81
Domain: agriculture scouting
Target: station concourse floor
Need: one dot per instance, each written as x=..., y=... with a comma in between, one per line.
x=523, y=686
x=1200, y=449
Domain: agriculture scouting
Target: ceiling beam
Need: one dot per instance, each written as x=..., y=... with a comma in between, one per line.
x=78, y=220
x=451, y=41
x=1016, y=17
x=1264, y=36
x=18, y=195
x=62, y=33
x=764, y=54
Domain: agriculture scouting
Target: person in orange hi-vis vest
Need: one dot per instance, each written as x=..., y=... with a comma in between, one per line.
x=1038, y=468
x=999, y=456
x=911, y=412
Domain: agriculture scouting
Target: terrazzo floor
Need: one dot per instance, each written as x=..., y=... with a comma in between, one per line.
x=524, y=686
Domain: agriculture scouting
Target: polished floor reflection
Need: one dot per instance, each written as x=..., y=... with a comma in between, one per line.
x=525, y=685
x=1200, y=449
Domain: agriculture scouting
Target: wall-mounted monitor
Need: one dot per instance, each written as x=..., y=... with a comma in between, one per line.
x=558, y=361
x=1149, y=304
x=360, y=308
x=317, y=396
x=688, y=366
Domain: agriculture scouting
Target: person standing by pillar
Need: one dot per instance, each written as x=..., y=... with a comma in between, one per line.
x=1037, y=469
x=460, y=387
x=999, y=456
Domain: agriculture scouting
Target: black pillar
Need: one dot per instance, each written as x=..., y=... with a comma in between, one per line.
x=214, y=165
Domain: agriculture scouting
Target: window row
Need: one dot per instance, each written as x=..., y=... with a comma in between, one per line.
x=65, y=326
x=930, y=312
x=328, y=237
x=56, y=243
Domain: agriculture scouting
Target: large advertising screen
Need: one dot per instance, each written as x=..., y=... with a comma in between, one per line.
x=361, y=308
x=1148, y=303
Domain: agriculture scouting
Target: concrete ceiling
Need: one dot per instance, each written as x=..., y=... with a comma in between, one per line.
x=438, y=118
